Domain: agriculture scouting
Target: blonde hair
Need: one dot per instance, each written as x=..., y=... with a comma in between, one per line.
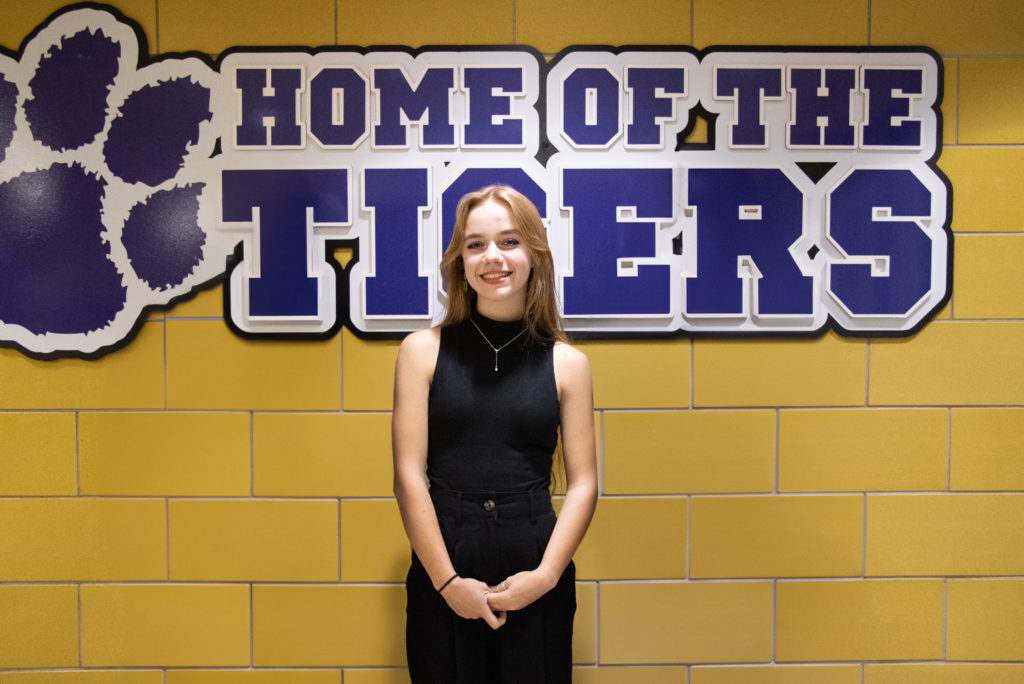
x=543, y=324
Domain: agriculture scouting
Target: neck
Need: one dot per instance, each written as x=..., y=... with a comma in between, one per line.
x=501, y=311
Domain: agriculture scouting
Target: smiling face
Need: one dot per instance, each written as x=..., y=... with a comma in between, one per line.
x=496, y=260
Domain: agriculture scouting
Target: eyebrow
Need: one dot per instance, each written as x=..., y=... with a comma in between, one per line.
x=507, y=231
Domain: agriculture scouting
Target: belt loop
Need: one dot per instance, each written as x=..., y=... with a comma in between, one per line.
x=458, y=508
x=494, y=512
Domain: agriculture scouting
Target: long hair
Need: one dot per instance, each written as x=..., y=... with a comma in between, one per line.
x=543, y=324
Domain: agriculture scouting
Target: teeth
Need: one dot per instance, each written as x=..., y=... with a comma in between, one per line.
x=495, y=276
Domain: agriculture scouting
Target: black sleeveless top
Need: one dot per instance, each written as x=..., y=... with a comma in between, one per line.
x=492, y=431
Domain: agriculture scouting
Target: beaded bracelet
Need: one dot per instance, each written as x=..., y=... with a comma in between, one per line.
x=447, y=583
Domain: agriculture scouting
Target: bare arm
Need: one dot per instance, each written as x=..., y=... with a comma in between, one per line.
x=572, y=374
x=413, y=374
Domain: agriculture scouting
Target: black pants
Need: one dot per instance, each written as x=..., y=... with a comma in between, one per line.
x=490, y=537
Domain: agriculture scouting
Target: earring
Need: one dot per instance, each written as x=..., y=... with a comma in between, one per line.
x=465, y=285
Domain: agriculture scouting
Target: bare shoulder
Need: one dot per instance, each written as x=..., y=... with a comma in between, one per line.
x=418, y=351
x=572, y=368
x=421, y=341
x=565, y=353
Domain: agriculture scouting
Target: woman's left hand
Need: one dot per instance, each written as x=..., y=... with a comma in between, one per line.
x=520, y=590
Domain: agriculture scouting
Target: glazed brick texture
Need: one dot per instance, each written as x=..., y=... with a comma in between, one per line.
x=773, y=511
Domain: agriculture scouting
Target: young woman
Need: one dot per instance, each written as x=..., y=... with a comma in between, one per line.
x=479, y=405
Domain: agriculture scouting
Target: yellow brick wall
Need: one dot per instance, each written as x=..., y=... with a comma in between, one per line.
x=846, y=511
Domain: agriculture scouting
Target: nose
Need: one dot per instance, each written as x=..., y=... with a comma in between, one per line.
x=492, y=252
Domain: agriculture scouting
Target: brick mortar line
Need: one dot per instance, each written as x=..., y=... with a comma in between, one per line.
x=733, y=665
x=867, y=373
x=945, y=617
x=689, y=535
x=79, y=596
x=601, y=453
x=775, y=621
x=252, y=628
x=252, y=455
x=607, y=496
x=982, y=145
x=605, y=409
x=323, y=584
x=949, y=451
x=167, y=535
x=778, y=450
x=78, y=455
x=864, y=539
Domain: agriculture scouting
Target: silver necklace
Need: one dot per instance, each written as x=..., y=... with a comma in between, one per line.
x=496, y=349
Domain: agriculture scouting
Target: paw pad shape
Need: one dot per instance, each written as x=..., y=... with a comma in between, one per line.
x=103, y=165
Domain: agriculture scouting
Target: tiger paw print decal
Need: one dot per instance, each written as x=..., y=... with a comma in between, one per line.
x=103, y=168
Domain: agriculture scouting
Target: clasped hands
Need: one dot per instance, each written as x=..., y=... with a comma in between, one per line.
x=473, y=599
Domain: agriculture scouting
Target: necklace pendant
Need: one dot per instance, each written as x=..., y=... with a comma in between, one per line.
x=496, y=349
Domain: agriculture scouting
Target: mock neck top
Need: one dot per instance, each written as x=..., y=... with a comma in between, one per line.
x=492, y=431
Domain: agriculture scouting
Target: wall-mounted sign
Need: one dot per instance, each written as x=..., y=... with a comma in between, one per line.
x=812, y=200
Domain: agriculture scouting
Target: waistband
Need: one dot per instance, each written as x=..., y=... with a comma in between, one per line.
x=528, y=505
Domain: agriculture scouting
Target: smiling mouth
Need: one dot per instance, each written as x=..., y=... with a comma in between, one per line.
x=496, y=276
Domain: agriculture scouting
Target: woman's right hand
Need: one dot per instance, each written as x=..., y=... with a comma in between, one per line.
x=468, y=598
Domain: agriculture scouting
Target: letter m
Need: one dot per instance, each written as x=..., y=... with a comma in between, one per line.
x=429, y=103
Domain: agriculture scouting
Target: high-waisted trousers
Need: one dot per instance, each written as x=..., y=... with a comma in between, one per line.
x=489, y=537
